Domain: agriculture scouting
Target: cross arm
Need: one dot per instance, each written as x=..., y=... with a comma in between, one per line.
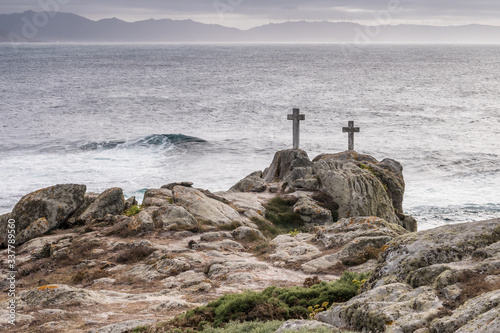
x=299, y=117
x=350, y=130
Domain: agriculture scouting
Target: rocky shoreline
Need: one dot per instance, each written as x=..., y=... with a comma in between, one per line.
x=90, y=262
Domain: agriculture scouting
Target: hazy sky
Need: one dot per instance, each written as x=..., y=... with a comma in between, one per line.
x=248, y=13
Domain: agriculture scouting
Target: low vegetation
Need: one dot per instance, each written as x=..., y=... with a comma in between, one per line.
x=269, y=305
x=259, y=327
x=245, y=327
x=280, y=218
x=134, y=210
x=237, y=327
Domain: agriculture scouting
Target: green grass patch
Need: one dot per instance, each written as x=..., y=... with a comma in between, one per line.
x=269, y=305
x=280, y=218
x=134, y=210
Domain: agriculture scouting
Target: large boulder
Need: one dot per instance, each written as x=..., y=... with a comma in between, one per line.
x=391, y=308
x=442, y=280
x=354, y=187
x=158, y=197
x=449, y=244
x=205, y=209
x=284, y=163
x=355, y=184
x=110, y=201
x=55, y=204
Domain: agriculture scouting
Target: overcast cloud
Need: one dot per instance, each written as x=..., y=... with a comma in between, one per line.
x=248, y=13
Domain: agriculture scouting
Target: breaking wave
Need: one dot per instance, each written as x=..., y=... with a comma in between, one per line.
x=155, y=140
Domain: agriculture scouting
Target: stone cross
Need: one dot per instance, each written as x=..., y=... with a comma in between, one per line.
x=351, y=130
x=296, y=117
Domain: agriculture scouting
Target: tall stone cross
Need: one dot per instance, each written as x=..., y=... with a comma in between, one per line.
x=296, y=117
x=351, y=130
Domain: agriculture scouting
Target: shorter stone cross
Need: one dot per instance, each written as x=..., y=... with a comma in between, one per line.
x=296, y=117
x=351, y=130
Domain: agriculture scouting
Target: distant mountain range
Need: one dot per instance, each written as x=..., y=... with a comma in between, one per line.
x=64, y=27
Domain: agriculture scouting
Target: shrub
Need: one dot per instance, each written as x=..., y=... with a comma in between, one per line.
x=271, y=304
x=134, y=210
x=309, y=282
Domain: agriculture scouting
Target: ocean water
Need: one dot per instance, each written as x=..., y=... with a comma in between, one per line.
x=141, y=116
